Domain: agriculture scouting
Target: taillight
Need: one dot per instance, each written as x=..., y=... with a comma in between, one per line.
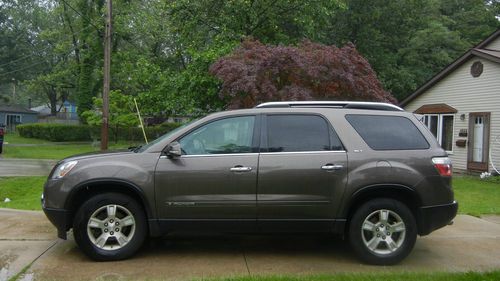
x=443, y=165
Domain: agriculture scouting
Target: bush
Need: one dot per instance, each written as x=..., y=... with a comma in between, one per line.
x=63, y=132
x=55, y=132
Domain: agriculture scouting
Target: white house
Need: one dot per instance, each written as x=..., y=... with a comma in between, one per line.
x=461, y=106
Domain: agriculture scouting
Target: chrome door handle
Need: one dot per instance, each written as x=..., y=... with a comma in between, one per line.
x=331, y=167
x=240, y=169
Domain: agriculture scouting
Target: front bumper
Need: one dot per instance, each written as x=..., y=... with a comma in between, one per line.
x=60, y=218
x=435, y=217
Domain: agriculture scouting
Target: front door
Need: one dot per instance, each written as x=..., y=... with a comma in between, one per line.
x=302, y=170
x=214, y=179
x=479, y=128
x=12, y=121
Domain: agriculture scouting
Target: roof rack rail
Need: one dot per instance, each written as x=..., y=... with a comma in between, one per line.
x=332, y=104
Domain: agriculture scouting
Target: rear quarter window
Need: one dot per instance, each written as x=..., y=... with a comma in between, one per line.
x=382, y=132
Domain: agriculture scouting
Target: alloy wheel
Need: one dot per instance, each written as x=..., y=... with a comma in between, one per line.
x=383, y=232
x=111, y=227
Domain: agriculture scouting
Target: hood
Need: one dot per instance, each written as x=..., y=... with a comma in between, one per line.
x=96, y=154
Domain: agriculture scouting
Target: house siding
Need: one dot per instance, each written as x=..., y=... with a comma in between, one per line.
x=29, y=118
x=495, y=45
x=467, y=94
x=25, y=117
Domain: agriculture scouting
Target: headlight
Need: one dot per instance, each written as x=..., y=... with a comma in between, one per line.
x=63, y=169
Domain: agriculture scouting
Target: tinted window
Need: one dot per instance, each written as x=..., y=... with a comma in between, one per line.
x=230, y=135
x=335, y=143
x=298, y=133
x=388, y=132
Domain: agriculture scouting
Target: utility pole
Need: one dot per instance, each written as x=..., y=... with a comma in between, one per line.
x=107, y=78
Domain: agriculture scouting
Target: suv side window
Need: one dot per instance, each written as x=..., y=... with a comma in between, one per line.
x=290, y=133
x=225, y=136
x=388, y=132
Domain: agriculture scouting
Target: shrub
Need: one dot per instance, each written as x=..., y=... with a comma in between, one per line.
x=63, y=132
x=55, y=132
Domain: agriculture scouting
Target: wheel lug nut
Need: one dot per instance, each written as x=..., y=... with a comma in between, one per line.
x=378, y=235
x=382, y=226
x=383, y=237
x=105, y=230
x=105, y=224
x=111, y=233
x=117, y=229
x=388, y=233
x=111, y=221
x=377, y=230
x=117, y=223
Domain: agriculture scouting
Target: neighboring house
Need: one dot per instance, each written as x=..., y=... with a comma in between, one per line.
x=67, y=113
x=461, y=106
x=68, y=110
x=13, y=115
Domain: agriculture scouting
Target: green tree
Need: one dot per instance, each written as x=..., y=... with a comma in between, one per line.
x=199, y=23
x=407, y=42
x=162, y=50
x=90, y=52
x=473, y=20
x=121, y=112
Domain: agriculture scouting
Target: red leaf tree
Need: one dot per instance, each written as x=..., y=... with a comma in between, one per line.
x=256, y=73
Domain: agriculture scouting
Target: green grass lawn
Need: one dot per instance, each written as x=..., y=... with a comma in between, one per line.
x=469, y=276
x=15, y=138
x=476, y=197
x=50, y=150
x=24, y=192
x=46, y=151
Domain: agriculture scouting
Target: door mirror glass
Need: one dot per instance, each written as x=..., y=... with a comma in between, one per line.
x=174, y=150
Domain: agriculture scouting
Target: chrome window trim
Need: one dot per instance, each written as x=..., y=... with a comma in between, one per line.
x=304, y=152
x=214, y=155
x=256, y=153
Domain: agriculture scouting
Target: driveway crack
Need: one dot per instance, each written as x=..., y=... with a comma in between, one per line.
x=13, y=239
x=27, y=267
x=246, y=262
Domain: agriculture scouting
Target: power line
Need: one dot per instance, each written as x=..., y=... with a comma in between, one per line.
x=76, y=11
x=44, y=49
x=23, y=68
x=31, y=65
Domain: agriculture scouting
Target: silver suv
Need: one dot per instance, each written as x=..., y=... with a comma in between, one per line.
x=368, y=171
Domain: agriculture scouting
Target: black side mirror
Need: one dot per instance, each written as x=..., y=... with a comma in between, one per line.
x=174, y=150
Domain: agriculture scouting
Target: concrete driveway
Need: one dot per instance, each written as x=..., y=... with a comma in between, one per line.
x=28, y=238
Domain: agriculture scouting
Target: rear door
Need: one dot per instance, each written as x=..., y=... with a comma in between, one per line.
x=301, y=162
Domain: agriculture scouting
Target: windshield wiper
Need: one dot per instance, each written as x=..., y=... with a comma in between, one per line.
x=134, y=148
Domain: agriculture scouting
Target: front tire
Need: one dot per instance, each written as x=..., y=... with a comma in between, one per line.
x=110, y=226
x=382, y=231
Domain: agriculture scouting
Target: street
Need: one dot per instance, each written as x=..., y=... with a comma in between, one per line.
x=25, y=167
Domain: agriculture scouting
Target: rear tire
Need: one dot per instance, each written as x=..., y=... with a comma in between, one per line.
x=382, y=231
x=110, y=226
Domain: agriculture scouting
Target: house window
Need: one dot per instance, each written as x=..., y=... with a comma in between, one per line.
x=441, y=126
